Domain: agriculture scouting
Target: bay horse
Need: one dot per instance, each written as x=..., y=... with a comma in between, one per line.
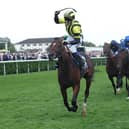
x=69, y=74
x=117, y=66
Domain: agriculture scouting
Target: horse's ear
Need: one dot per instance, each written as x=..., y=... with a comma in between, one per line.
x=105, y=43
x=56, y=38
x=61, y=39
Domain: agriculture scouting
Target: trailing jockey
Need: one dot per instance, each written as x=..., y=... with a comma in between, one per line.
x=125, y=43
x=115, y=47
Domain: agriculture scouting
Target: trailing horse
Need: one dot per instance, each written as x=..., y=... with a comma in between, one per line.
x=117, y=66
x=69, y=74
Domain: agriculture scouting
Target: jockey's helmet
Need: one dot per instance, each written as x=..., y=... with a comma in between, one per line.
x=127, y=39
x=114, y=42
x=69, y=15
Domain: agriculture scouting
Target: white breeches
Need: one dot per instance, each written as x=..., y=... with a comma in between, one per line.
x=73, y=48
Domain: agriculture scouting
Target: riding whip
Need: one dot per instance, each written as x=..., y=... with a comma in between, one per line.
x=67, y=8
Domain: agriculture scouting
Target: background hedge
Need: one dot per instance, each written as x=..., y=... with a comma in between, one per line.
x=16, y=67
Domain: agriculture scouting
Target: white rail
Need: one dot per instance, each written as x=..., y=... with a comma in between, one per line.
x=98, y=61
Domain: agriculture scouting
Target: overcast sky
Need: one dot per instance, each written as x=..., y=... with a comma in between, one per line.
x=101, y=20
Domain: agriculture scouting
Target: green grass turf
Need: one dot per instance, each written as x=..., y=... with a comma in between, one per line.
x=33, y=101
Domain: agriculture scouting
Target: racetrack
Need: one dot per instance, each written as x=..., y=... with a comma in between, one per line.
x=33, y=101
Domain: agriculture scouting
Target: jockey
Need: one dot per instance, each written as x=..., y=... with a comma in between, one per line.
x=115, y=46
x=74, y=31
x=122, y=44
x=126, y=42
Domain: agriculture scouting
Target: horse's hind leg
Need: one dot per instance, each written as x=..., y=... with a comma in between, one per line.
x=65, y=98
x=88, y=83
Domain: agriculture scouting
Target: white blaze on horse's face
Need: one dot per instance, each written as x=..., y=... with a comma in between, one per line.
x=54, y=44
x=53, y=50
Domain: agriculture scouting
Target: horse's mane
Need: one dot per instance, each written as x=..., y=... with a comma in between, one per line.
x=105, y=43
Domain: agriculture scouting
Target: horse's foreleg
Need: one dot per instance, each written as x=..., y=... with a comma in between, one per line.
x=88, y=83
x=113, y=84
x=65, y=98
x=76, y=89
x=119, y=83
x=127, y=87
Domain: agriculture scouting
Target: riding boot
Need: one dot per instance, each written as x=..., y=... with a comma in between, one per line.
x=79, y=59
x=84, y=67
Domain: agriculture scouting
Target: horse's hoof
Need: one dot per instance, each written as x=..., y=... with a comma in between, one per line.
x=74, y=109
x=127, y=98
x=69, y=109
x=84, y=110
x=118, y=91
x=83, y=114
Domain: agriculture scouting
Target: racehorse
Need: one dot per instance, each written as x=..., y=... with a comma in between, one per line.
x=69, y=74
x=117, y=66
